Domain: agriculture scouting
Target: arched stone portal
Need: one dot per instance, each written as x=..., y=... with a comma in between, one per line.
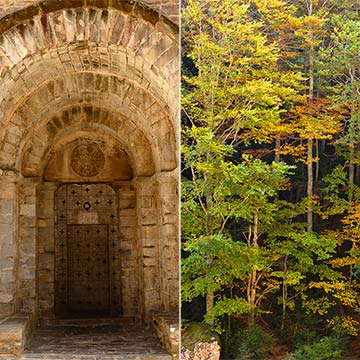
x=89, y=103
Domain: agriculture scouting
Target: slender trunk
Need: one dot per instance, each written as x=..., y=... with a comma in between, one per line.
x=209, y=294
x=352, y=132
x=277, y=148
x=351, y=172
x=277, y=157
x=253, y=276
x=310, y=181
x=317, y=165
x=357, y=168
x=209, y=301
x=351, y=193
x=284, y=294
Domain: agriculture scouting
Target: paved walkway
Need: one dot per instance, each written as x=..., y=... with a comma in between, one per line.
x=108, y=342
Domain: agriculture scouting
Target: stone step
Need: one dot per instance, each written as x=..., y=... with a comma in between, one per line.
x=87, y=357
x=89, y=322
x=14, y=331
x=94, y=357
x=167, y=330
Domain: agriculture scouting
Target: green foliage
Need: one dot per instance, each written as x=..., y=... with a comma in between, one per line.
x=193, y=332
x=238, y=91
x=264, y=78
x=327, y=348
x=231, y=307
x=334, y=194
x=251, y=344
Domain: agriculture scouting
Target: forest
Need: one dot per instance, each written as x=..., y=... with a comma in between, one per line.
x=271, y=177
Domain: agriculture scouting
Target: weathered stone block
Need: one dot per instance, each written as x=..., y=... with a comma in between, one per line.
x=26, y=272
x=45, y=210
x=7, y=308
x=148, y=217
x=27, y=245
x=7, y=233
x=128, y=221
x=46, y=261
x=127, y=213
x=28, y=209
x=7, y=206
x=170, y=218
x=27, y=221
x=46, y=276
x=6, y=297
x=150, y=231
x=152, y=262
x=7, y=194
x=28, y=231
x=7, y=219
x=7, y=262
x=127, y=231
x=13, y=334
x=128, y=246
x=150, y=252
x=7, y=277
x=30, y=199
x=170, y=230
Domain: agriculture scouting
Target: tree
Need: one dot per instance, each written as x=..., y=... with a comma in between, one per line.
x=234, y=97
x=216, y=260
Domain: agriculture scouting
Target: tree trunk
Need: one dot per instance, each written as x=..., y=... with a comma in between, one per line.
x=209, y=301
x=251, y=293
x=277, y=148
x=310, y=182
x=317, y=165
x=351, y=172
x=284, y=294
x=351, y=193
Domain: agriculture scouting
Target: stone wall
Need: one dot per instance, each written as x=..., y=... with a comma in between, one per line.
x=45, y=249
x=26, y=272
x=168, y=244
x=8, y=241
x=169, y=8
x=202, y=351
x=104, y=72
x=130, y=271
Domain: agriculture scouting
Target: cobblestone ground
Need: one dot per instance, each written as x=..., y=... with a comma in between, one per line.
x=130, y=342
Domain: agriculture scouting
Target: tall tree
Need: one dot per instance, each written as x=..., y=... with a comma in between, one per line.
x=234, y=96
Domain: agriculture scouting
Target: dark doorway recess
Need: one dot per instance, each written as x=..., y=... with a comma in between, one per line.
x=87, y=251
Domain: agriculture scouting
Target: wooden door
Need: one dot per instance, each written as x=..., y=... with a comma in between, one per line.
x=87, y=251
x=88, y=270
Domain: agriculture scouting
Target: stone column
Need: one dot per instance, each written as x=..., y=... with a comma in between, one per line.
x=26, y=291
x=8, y=241
x=128, y=249
x=45, y=250
x=168, y=187
x=148, y=235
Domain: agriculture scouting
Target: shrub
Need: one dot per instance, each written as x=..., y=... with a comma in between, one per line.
x=327, y=348
x=193, y=332
x=252, y=344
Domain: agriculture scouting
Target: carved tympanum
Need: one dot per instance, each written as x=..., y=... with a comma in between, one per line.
x=87, y=159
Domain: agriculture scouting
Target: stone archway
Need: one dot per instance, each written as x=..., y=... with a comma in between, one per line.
x=84, y=80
